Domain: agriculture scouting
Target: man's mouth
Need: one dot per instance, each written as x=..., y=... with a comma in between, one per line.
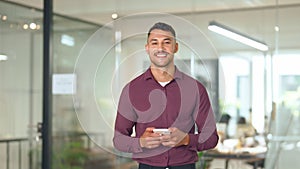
x=161, y=54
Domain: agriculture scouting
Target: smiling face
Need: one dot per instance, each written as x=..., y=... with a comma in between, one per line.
x=161, y=47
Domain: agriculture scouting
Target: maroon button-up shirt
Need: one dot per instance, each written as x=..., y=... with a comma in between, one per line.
x=182, y=103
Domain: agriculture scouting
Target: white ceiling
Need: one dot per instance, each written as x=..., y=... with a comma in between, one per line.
x=99, y=11
x=255, y=18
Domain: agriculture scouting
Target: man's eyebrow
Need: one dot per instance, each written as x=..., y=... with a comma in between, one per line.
x=168, y=39
x=153, y=40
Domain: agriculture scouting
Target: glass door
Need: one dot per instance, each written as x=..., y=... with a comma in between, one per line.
x=71, y=145
x=235, y=92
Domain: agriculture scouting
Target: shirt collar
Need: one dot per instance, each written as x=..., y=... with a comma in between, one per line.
x=177, y=75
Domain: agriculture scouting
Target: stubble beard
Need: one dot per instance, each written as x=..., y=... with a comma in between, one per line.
x=165, y=65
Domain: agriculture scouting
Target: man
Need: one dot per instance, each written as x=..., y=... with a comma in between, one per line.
x=164, y=98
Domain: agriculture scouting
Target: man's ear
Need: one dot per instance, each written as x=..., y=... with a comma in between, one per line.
x=147, y=48
x=176, y=47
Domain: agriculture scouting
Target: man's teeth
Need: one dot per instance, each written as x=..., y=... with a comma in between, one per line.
x=161, y=55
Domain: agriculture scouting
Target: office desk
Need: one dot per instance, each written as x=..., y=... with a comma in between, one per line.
x=254, y=158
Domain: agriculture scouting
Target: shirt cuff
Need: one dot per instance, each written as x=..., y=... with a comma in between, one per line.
x=193, y=142
x=135, y=146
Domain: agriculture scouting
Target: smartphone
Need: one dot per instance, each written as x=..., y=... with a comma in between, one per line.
x=162, y=131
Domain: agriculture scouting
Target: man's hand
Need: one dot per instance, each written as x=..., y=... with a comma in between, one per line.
x=149, y=139
x=176, y=138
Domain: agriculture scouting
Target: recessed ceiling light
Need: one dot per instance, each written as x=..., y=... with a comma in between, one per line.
x=276, y=28
x=4, y=17
x=25, y=26
x=114, y=16
x=32, y=25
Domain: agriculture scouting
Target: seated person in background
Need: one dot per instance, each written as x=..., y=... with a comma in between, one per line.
x=242, y=120
x=222, y=127
x=225, y=118
x=245, y=130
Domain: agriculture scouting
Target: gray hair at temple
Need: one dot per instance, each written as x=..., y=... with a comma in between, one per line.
x=164, y=27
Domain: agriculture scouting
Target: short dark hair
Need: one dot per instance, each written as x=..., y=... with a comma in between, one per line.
x=162, y=26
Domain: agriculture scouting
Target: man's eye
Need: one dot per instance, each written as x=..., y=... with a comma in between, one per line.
x=153, y=43
x=167, y=42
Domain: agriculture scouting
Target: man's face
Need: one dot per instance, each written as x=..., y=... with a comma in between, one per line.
x=161, y=47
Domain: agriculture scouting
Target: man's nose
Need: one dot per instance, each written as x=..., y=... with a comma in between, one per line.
x=160, y=47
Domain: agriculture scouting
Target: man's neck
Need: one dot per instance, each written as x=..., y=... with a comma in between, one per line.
x=163, y=75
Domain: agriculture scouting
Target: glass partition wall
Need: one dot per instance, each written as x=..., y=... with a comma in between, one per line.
x=92, y=62
x=21, y=59
x=21, y=86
